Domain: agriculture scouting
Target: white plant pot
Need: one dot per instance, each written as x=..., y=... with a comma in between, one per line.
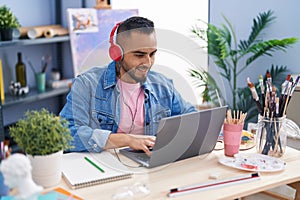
x=47, y=170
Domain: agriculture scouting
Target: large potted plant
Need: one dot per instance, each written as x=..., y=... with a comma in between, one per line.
x=43, y=137
x=8, y=21
x=233, y=56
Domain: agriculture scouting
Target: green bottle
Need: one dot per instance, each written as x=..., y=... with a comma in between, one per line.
x=21, y=71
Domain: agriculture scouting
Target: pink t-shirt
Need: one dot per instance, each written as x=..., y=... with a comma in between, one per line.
x=132, y=108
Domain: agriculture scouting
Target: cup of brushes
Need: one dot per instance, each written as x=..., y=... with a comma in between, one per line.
x=40, y=77
x=273, y=125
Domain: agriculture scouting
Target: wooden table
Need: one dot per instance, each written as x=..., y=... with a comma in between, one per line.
x=194, y=171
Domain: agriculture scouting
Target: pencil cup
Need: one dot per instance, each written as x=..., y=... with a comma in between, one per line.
x=232, y=138
x=271, y=138
x=4, y=190
x=40, y=82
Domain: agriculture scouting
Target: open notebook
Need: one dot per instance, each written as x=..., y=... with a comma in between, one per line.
x=87, y=169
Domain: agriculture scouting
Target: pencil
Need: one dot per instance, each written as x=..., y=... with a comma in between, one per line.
x=94, y=164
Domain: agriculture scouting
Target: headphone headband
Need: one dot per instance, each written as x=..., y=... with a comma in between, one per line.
x=115, y=51
x=112, y=33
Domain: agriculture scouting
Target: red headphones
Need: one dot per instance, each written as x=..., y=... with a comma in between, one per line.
x=115, y=50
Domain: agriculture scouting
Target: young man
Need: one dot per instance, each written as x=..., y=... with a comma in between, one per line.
x=121, y=104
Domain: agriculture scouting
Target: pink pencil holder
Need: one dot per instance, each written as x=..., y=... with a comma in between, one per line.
x=232, y=138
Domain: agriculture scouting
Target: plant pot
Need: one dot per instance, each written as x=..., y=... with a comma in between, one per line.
x=47, y=170
x=6, y=34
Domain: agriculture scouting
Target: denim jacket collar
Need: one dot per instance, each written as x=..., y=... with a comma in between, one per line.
x=110, y=76
x=149, y=90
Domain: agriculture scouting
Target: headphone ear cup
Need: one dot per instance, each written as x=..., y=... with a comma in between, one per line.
x=115, y=52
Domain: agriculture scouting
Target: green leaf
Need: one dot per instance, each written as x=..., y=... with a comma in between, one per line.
x=259, y=24
x=8, y=19
x=266, y=47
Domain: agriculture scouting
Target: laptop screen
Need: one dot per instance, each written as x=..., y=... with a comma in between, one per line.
x=183, y=136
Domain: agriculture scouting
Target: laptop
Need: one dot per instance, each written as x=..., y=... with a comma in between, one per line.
x=182, y=136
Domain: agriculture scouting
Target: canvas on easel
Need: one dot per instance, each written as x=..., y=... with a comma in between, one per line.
x=90, y=39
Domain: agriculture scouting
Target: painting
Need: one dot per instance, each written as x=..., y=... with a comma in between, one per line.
x=83, y=20
x=90, y=39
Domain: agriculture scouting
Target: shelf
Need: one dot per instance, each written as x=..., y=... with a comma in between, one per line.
x=32, y=96
x=21, y=42
x=12, y=103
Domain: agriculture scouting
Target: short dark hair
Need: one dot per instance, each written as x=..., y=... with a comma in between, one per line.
x=141, y=24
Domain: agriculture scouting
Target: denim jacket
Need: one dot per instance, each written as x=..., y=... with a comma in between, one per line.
x=93, y=109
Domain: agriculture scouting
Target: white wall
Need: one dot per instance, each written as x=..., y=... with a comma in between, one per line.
x=168, y=14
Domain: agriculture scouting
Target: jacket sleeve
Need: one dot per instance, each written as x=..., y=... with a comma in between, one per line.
x=77, y=111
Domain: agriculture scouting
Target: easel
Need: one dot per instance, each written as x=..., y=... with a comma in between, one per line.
x=102, y=4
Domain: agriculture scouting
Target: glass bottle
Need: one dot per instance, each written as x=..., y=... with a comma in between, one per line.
x=21, y=71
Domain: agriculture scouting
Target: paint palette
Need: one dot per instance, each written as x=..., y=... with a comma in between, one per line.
x=247, y=141
x=254, y=162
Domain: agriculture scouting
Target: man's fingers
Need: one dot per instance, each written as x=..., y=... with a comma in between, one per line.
x=147, y=151
x=153, y=138
x=150, y=144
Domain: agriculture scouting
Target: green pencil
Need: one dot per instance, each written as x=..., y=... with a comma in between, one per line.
x=94, y=164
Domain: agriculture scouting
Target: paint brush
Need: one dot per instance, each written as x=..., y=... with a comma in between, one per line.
x=254, y=96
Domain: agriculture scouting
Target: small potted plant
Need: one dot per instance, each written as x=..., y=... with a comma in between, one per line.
x=8, y=21
x=43, y=137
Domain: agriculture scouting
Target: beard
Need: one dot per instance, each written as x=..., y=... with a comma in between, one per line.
x=133, y=73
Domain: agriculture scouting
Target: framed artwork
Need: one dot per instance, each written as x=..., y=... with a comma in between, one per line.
x=90, y=39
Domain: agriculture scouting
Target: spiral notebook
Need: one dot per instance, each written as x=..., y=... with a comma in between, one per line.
x=86, y=169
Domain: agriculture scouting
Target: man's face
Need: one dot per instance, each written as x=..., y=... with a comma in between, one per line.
x=139, y=55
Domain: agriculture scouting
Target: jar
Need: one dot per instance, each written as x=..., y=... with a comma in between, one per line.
x=271, y=135
x=55, y=74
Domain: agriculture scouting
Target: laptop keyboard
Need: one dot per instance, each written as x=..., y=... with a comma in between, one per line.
x=143, y=157
x=137, y=155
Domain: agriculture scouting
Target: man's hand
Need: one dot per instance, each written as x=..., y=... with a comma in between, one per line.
x=136, y=142
x=141, y=142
